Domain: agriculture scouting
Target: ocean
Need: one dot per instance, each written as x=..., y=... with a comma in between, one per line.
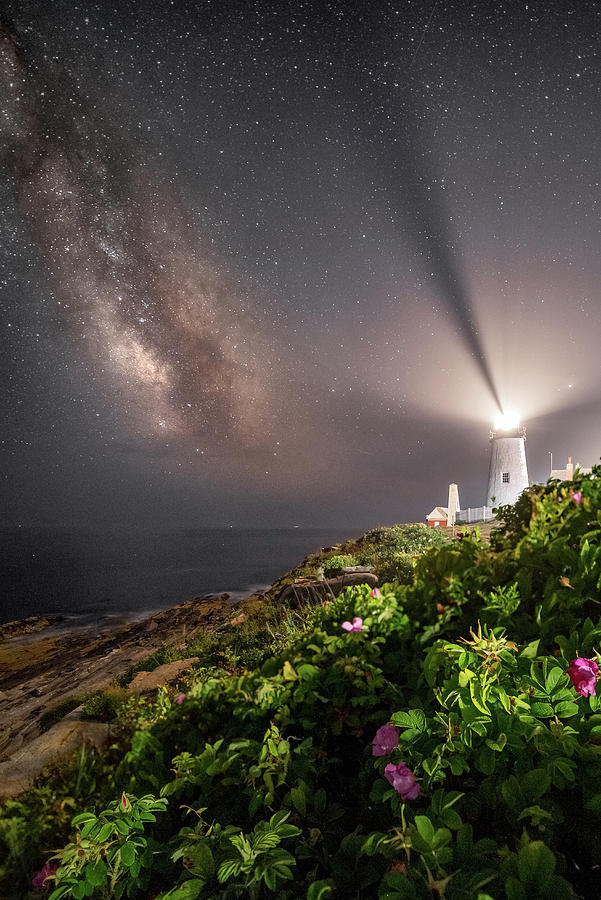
x=97, y=575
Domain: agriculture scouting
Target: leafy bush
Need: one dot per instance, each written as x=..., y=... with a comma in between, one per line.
x=439, y=738
x=104, y=704
x=337, y=562
x=399, y=567
x=413, y=538
x=392, y=551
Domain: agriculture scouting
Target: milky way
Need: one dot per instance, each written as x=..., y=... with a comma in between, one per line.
x=128, y=267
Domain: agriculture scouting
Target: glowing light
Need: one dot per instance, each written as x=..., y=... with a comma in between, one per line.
x=507, y=421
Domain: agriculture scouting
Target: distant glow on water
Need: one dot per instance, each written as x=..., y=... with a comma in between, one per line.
x=507, y=421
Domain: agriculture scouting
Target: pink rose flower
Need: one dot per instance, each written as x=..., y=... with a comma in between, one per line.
x=180, y=698
x=403, y=780
x=385, y=741
x=583, y=675
x=357, y=625
x=577, y=497
x=38, y=882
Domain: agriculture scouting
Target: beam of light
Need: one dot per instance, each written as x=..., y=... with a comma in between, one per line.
x=393, y=145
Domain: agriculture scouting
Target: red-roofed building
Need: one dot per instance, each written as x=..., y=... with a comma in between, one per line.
x=438, y=517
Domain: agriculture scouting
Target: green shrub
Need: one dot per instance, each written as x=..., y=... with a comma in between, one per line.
x=104, y=705
x=399, y=567
x=337, y=562
x=413, y=538
x=485, y=781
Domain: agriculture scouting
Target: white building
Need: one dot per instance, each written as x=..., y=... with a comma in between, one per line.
x=568, y=473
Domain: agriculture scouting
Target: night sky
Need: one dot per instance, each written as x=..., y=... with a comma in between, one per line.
x=278, y=263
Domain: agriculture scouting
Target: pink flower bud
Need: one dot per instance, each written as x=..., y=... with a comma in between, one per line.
x=180, y=698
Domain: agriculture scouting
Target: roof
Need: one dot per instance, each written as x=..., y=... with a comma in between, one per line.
x=439, y=512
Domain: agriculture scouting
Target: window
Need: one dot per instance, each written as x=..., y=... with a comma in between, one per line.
x=505, y=477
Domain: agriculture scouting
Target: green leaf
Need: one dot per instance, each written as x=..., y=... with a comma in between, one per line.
x=514, y=890
x=530, y=651
x=265, y=841
x=396, y=887
x=542, y=710
x=103, y=834
x=128, y=854
x=297, y=795
x=412, y=718
x=497, y=744
x=477, y=696
x=60, y=891
x=451, y=819
x=512, y=793
x=458, y=764
x=553, y=678
x=319, y=889
x=425, y=828
x=566, y=767
x=536, y=865
x=188, y=890
x=79, y=890
x=95, y=873
x=288, y=672
x=199, y=860
x=83, y=817
x=534, y=784
x=306, y=670
x=228, y=868
x=593, y=804
x=566, y=710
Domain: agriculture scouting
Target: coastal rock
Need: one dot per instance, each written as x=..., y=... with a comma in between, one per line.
x=310, y=590
x=28, y=626
x=17, y=774
x=39, y=671
x=149, y=681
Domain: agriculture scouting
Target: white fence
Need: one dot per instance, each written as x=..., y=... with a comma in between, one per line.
x=474, y=514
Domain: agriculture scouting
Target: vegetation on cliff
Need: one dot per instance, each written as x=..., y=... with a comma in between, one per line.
x=434, y=739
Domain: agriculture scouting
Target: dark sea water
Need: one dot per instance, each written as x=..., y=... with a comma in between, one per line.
x=97, y=575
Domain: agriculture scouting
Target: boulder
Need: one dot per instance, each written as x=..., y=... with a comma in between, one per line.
x=18, y=772
x=310, y=589
x=149, y=681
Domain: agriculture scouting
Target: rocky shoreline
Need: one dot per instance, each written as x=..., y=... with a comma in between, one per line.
x=45, y=660
x=42, y=662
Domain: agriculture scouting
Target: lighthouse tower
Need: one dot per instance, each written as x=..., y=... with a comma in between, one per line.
x=508, y=473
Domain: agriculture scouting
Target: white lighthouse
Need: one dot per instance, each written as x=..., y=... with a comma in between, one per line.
x=508, y=473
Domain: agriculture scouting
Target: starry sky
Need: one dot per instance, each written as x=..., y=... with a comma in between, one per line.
x=271, y=263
